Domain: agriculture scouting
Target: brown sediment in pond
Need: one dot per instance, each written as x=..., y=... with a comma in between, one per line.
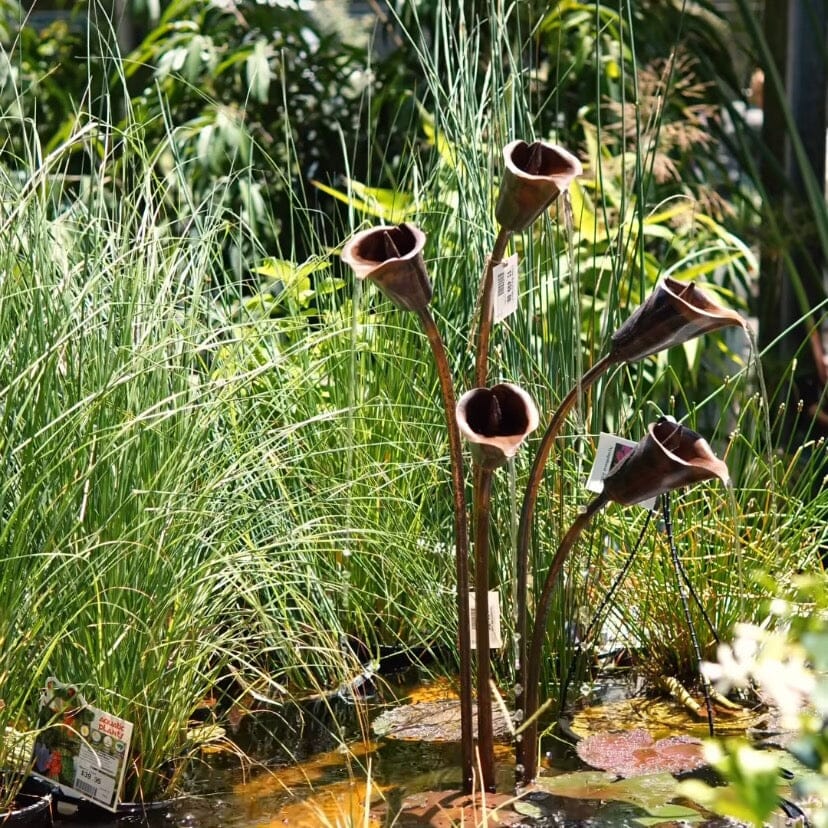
x=410, y=783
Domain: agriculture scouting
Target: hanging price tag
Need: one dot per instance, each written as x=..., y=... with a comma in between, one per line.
x=495, y=637
x=505, y=288
x=611, y=451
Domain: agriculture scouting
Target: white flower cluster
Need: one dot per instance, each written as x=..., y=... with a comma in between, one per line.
x=777, y=665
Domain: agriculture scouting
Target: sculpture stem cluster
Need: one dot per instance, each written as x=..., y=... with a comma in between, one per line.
x=495, y=421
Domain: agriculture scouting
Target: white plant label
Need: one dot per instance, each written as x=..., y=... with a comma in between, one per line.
x=81, y=748
x=505, y=288
x=495, y=636
x=611, y=451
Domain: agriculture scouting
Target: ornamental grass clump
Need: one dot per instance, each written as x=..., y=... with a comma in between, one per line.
x=130, y=489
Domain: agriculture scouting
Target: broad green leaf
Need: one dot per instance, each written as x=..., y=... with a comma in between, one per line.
x=679, y=208
x=288, y=272
x=583, y=213
x=710, y=266
x=392, y=206
x=437, y=139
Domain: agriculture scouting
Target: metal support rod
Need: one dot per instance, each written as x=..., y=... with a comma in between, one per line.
x=528, y=769
x=522, y=747
x=461, y=540
x=485, y=727
x=481, y=364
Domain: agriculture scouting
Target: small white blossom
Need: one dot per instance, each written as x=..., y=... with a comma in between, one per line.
x=778, y=666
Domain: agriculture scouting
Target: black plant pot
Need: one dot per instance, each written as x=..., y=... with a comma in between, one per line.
x=32, y=806
x=69, y=808
x=74, y=809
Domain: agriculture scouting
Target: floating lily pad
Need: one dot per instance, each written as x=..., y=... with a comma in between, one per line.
x=437, y=721
x=647, y=792
x=635, y=753
x=643, y=799
x=660, y=718
x=670, y=813
x=449, y=809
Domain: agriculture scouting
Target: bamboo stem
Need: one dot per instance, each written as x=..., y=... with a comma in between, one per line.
x=461, y=534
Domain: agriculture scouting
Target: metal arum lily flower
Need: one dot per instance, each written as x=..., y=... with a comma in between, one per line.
x=495, y=422
x=534, y=176
x=392, y=257
x=670, y=456
x=673, y=313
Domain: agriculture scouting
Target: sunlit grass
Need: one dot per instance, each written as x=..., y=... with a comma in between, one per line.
x=196, y=493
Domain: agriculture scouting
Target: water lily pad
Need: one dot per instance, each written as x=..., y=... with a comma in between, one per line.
x=635, y=753
x=647, y=792
x=437, y=721
x=448, y=809
x=670, y=813
x=660, y=717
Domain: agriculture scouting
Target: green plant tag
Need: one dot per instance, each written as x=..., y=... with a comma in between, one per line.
x=80, y=747
x=505, y=288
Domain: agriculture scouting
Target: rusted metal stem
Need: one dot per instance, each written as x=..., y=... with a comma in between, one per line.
x=485, y=730
x=523, y=748
x=484, y=331
x=530, y=734
x=461, y=541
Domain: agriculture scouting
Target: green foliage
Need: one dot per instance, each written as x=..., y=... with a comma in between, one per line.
x=40, y=79
x=788, y=667
x=207, y=485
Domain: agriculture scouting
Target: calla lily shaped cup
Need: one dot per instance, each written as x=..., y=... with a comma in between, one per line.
x=534, y=176
x=673, y=313
x=495, y=422
x=669, y=457
x=392, y=257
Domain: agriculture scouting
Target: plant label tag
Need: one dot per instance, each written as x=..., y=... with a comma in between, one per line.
x=610, y=452
x=505, y=287
x=80, y=747
x=495, y=637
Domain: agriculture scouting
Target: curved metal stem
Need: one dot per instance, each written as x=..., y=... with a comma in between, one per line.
x=522, y=748
x=484, y=331
x=461, y=535
x=485, y=728
x=528, y=768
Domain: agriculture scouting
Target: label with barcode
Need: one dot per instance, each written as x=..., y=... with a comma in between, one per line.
x=505, y=288
x=92, y=779
x=82, y=749
x=495, y=637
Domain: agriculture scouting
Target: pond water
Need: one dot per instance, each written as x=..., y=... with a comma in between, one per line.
x=308, y=774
